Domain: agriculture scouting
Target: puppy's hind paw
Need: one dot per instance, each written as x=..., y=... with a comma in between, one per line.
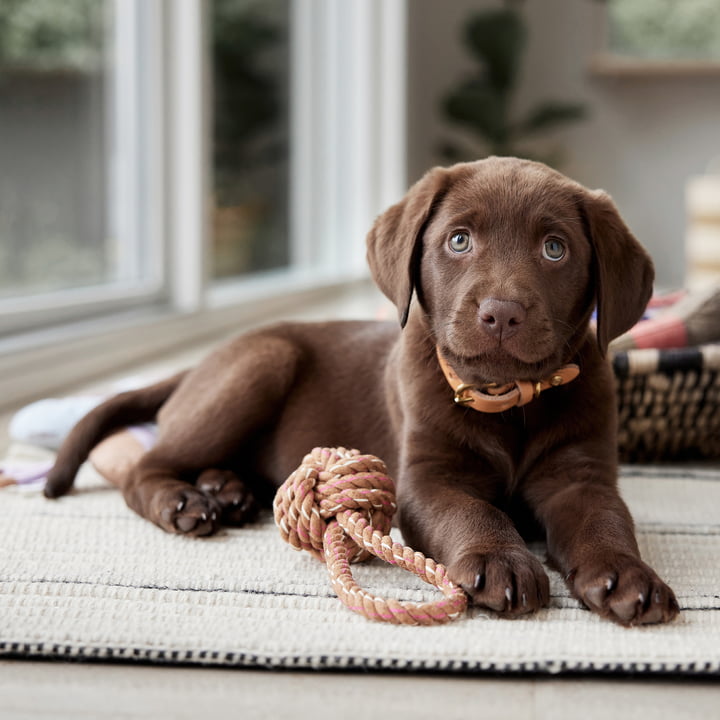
x=236, y=500
x=186, y=511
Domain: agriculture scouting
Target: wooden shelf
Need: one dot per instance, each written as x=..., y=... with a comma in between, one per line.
x=618, y=66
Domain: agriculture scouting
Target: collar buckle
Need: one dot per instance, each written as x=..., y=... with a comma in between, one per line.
x=462, y=399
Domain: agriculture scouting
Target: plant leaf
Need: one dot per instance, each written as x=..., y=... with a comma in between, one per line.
x=478, y=107
x=550, y=114
x=497, y=38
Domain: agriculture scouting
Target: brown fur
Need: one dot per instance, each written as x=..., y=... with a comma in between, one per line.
x=468, y=483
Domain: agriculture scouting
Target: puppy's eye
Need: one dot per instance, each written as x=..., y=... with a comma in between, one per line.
x=553, y=249
x=460, y=242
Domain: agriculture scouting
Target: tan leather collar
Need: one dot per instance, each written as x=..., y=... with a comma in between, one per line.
x=491, y=398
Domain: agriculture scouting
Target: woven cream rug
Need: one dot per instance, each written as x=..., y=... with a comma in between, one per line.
x=85, y=578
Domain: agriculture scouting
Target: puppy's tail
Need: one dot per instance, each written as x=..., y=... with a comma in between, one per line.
x=128, y=408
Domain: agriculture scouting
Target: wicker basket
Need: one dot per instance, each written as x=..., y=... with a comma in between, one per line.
x=669, y=403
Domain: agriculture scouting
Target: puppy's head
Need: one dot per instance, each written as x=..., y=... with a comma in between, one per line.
x=508, y=258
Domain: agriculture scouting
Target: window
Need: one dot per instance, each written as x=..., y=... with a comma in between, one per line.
x=52, y=138
x=659, y=37
x=664, y=29
x=164, y=162
x=76, y=187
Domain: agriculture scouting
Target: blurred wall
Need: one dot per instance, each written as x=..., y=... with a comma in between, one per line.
x=644, y=135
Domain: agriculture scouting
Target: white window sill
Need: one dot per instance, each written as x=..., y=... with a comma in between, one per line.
x=41, y=363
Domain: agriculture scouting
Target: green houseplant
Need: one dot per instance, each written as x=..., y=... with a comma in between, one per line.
x=483, y=103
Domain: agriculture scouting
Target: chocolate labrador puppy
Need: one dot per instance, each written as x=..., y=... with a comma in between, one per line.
x=493, y=407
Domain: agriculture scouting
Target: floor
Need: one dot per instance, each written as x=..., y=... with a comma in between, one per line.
x=74, y=690
x=57, y=691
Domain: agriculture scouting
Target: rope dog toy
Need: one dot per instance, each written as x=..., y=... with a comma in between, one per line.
x=338, y=505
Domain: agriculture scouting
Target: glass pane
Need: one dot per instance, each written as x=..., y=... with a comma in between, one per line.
x=665, y=29
x=53, y=145
x=250, y=60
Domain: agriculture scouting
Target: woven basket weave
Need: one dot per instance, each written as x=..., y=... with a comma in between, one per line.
x=669, y=403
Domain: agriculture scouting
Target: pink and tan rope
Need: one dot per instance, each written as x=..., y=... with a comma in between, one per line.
x=338, y=505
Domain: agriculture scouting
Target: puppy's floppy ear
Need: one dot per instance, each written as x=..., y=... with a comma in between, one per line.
x=394, y=244
x=623, y=270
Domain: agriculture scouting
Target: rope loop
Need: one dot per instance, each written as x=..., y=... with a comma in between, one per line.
x=338, y=505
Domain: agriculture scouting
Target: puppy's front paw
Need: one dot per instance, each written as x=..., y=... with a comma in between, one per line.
x=509, y=580
x=625, y=590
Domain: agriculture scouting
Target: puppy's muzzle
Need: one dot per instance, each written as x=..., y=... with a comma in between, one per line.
x=501, y=319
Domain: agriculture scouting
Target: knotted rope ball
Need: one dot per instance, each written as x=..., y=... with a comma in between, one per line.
x=338, y=505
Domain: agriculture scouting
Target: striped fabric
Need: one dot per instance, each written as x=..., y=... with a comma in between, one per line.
x=84, y=578
x=676, y=320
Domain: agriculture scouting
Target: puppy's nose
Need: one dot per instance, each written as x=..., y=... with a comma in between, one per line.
x=501, y=318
